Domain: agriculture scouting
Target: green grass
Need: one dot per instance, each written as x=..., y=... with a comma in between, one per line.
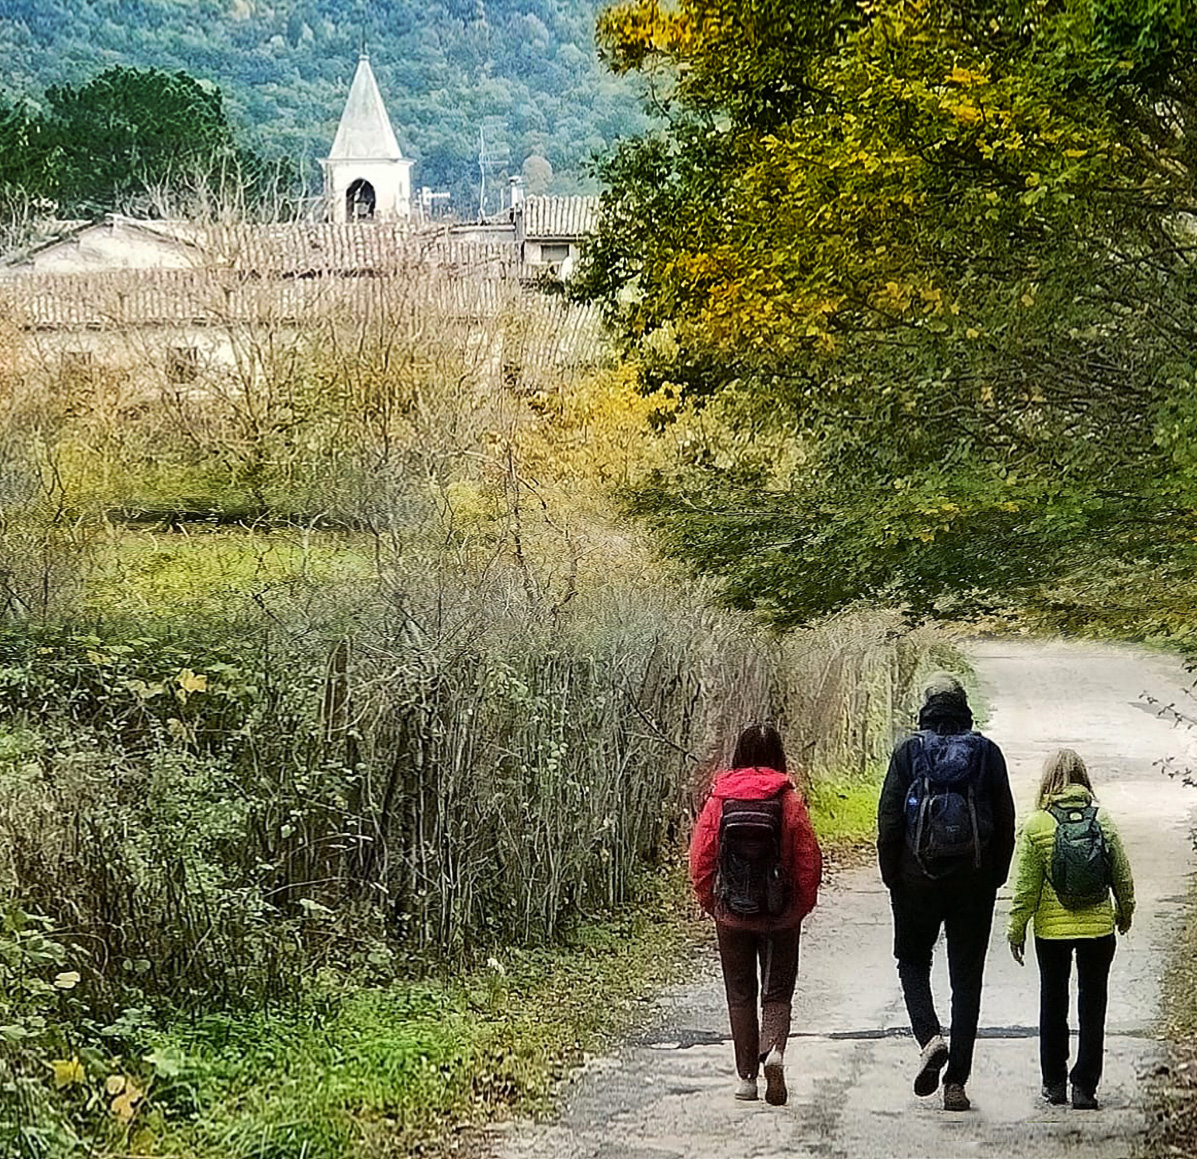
x=843, y=809
x=206, y=571
x=379, y=1071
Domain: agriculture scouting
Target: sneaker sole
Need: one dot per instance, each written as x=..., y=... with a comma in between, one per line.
x=927, y=1080
x=775, y=1085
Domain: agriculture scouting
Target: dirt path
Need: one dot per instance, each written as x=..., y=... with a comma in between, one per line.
x=850, y=1064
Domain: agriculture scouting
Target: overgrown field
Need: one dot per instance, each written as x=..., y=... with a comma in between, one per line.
x=344, y=731
x=1173, y=1102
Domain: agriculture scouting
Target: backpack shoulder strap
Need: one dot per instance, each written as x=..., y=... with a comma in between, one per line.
x=924, y=795
x=972, y=816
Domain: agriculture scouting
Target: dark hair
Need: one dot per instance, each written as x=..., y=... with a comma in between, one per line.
x=945, y=706
x=759, y=747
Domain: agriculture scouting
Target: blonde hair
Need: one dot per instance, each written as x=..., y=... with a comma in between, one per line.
x=1063, y=768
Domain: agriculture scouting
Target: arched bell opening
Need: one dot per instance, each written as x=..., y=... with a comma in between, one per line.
x=360, y=201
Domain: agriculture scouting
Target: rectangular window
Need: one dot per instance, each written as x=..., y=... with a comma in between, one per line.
x=75, y=366
x=182, y=364
x=556, y=252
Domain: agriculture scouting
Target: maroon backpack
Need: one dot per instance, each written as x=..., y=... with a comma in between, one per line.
x=749, y=881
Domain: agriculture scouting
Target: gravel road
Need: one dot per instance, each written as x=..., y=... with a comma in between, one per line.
x=668, y=1092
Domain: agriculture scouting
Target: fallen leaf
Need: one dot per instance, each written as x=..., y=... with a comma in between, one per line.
x=68, y=1072
x=192, y=682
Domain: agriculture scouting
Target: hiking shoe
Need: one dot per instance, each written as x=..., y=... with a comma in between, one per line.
x=932, y=1060
x=1083, y=1100
x=1056, y=1093
x=954, y=1098
x=775, y=1079
x=746, y=1089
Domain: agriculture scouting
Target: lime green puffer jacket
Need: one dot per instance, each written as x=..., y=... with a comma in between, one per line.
x=1034, y=897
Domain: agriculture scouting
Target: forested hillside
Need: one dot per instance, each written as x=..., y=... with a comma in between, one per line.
x=525, y=72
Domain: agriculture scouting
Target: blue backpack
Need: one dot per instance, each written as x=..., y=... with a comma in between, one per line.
x=949, y=818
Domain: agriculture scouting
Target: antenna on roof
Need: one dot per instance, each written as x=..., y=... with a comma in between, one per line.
x=482, y=169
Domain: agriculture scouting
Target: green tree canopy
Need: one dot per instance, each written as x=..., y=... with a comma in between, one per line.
x=132, y=140
x=526, y=70
x=929, y=268
x=131, y=133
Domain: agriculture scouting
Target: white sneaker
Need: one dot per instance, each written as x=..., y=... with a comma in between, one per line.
x=775, y=1079
x=932, y=1060
x=746, y=1089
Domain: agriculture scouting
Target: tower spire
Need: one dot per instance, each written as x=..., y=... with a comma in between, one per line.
x=366, y=175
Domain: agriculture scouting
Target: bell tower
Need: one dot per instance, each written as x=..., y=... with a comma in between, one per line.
x=366, y=176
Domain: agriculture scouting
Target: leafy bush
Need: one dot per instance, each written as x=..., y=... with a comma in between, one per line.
x=251, y=773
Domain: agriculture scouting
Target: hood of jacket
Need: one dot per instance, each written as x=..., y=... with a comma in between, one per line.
x=750, y=784
x=1072, y=795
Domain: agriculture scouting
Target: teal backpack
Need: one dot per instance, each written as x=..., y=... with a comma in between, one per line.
x=1080, y=867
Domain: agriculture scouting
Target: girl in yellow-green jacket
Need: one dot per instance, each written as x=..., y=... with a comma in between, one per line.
x=1083, y=928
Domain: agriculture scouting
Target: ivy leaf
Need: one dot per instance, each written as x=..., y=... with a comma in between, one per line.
x=168, y=1062
x=68, y=1072
x=124, y=1106
x=191, y=681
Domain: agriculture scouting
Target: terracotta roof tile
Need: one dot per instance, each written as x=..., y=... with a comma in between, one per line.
x=560, y=217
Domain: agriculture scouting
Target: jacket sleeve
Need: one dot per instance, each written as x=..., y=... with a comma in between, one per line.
x=1002, y=800
x=805, y=857
x=1028, y=886
x=1121, y=881
x=891, y=817
x=704, y=854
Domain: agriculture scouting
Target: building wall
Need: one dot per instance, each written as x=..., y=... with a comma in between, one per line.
x=546, y=251
x=391, y=181
x=151, y=359
x=106, y=246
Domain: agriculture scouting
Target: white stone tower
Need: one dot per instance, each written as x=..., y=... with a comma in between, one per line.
x=366, y=177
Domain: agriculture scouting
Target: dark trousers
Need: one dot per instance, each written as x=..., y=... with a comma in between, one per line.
x=1093, y=958
x=965, y=912
x=741, y=953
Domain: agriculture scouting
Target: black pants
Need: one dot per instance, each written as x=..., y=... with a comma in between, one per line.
x=776, y=954
x=965, y=912
x=1093, y=958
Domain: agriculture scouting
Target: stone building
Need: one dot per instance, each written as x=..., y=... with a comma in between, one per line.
x=549, y=231
x=366, y=176
x=174, y=300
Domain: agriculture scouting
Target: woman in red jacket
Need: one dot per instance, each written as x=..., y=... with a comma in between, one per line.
x=758, y=889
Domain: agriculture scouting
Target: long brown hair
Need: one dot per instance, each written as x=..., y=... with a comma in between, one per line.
x=1063, y=768
x=759, y=747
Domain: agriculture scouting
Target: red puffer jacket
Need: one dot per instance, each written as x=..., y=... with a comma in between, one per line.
x=801, y=859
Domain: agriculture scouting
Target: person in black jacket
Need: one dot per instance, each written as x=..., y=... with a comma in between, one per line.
x=953, y=886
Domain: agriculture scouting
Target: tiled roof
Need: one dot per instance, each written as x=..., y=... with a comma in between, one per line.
x=559, y=217
x=357, y=247
x=130, y=300
x=302, y=248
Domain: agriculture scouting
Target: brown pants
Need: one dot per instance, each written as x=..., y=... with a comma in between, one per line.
x=741, y=951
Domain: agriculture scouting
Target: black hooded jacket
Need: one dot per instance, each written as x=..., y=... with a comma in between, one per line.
x=944, y=714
